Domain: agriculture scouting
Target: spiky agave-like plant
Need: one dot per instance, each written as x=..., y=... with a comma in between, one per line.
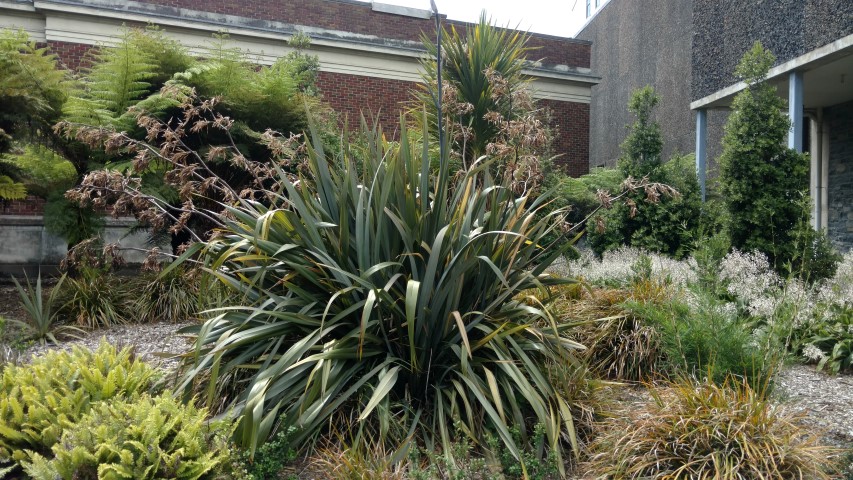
x=387, y=296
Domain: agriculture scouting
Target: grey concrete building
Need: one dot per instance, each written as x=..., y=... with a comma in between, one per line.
x=688, y=49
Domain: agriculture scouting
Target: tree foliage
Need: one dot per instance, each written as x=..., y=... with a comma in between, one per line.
x=761, y=180
x=32, y=91
x=32, y=88
x=119, y=81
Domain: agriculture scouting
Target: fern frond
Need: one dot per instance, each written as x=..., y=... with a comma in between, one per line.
x=41, y=170
x=11, y=190
x=29, y=73
x=118, y=78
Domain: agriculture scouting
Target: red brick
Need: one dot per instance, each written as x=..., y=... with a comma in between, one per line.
x=360, y=18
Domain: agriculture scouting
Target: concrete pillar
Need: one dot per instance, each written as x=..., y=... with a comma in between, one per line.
x=795, y=110
x=815, y=182
x=701, y=148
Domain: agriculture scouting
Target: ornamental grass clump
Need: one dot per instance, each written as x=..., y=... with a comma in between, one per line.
x=703, y=430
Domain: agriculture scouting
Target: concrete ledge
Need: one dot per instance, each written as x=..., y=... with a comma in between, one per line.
x=25, y=243
x=400, y=10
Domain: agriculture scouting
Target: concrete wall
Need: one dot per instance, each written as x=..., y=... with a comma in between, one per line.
x=840, y=187
x=638, y=43
x=26, y=245
x=725, y=29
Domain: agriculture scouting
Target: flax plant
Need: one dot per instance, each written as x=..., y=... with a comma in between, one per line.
x=393, y=293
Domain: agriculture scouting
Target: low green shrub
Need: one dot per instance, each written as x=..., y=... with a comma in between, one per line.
x=706, y=430
x=829, y=340
x=579, y=194
x=707, y=337
x=38, y=401
x=815, y=258
x=270, y=458
x=141, y=438
x=537, y=468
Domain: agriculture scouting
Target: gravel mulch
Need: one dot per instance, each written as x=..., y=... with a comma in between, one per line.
x=826, y=400
x=155, y=343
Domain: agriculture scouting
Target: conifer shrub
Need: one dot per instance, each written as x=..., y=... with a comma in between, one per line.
x=39, y=400
x=762, y=181
x=143, y=438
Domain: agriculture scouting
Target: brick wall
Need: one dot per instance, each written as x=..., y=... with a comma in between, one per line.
x=358, y=17
x=28, y=206
x=571, y=123
x=350, y=95
x=71, y=55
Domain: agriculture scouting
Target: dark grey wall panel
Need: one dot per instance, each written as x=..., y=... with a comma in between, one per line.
x=725, y=29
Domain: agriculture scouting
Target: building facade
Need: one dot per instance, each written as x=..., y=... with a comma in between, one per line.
x=369, y=52
x=688, y=50
x=369, y=57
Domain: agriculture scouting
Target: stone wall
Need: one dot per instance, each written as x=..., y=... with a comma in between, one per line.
x=638, y=43
x=840, y=187
x=725, y=29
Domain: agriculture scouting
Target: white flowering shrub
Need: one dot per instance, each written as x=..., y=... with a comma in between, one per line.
x=780, y=315
x=618, y=267
x=813, y=321
x=826, y=337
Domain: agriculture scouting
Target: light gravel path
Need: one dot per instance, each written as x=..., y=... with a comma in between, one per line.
x=155, y=343
x=826, y=400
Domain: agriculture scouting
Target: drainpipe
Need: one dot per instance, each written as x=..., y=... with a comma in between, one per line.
x=824, y=175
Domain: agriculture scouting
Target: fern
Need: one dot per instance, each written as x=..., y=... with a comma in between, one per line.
x=11, y=190
x=118, y=78
x=29, y=73
x=38, y=401
x=41, y=170
x=145, y=438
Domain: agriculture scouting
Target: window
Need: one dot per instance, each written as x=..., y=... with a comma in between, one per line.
x=597, y=3
x=588, y=8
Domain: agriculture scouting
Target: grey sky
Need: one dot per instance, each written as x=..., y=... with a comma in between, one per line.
x=554, y=17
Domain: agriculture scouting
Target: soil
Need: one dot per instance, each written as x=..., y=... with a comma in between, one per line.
x=10, y=303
